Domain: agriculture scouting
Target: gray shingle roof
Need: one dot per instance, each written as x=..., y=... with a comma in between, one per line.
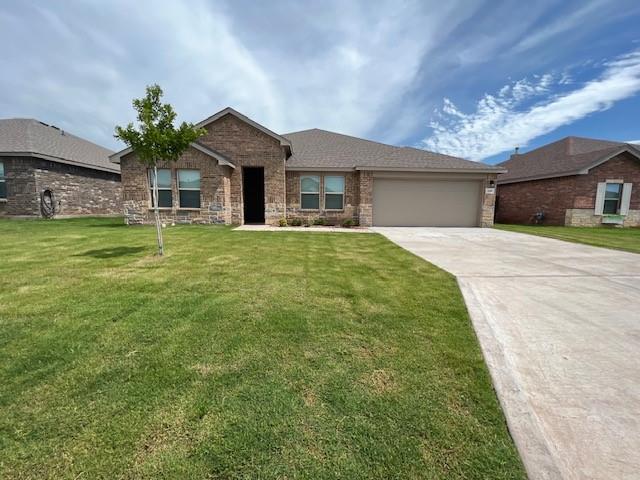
x=27, y=135
x=322, y=149
x=568, y=156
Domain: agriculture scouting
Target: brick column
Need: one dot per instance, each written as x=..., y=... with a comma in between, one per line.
x=365, y=206
x=488, y=202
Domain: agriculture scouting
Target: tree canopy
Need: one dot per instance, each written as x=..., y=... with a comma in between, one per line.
x=156, y=138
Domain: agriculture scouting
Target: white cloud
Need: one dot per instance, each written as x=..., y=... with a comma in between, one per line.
x=510, y=119
x=562, y=24
x=84, y=66
x=339, y=65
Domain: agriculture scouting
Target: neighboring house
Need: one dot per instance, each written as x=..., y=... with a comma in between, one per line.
x=241, y=172
x=38, y=160
x=574, y=182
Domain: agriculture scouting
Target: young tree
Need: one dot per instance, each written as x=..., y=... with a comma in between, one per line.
x=157, y=139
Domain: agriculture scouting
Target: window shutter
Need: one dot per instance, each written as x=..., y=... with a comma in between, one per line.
x=600, y=198
x=626, y=199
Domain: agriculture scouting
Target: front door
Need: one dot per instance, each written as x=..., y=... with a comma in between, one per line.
x=253, y=194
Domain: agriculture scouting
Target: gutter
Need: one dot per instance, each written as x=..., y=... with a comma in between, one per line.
x=60, y=160
x=319, y=169
x=222, y=160
x=397, y=169
x=434, y=170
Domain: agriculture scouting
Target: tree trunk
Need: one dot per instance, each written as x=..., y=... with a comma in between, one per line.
x=156, y=211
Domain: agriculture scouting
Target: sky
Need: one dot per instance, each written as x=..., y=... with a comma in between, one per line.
x=471, y=78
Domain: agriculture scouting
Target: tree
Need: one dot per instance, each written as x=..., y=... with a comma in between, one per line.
x=157, y=139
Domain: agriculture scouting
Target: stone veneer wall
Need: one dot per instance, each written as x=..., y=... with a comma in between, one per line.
x=584, y=217
x=78, y=191
x=351, y=198
x=568, y=200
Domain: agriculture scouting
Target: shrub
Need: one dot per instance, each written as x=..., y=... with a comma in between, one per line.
x=282, y=222
x=319, y=221
x=349, y=222
x=296, y=222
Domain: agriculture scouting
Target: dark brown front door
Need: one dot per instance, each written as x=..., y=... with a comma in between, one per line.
x=253, y=194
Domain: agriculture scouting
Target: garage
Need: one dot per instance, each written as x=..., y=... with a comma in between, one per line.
x=411, y=202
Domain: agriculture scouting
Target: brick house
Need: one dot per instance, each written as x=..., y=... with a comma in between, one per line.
x=39, y=162
x=241, y=172
x=574, y=182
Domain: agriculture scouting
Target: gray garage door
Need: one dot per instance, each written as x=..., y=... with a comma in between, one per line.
x=425, y=203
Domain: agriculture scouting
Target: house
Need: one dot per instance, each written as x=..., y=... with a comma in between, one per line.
x=574, y=181
x=241, y=172
x=45, y=170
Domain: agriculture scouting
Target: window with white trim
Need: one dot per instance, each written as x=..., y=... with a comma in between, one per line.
x=612, y=198
x=333, y=192
x=164, y=187
x=310, y=192
x=189, y=188
x=3, y=183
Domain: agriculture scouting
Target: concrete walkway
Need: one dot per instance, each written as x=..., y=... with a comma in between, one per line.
x=323, y=229
x=559, y=325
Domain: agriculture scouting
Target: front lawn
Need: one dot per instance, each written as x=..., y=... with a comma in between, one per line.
x=238, y=355
x=627, y=239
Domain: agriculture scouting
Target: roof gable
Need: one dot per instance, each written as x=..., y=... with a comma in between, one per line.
x=230, y=111
x=209, y=120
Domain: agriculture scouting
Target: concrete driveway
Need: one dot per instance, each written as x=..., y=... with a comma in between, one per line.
x=559, y=325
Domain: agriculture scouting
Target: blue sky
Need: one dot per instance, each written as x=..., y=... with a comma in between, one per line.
x=469, y=78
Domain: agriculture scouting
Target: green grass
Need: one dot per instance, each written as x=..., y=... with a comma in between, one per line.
x=238, y=355
x=627, y=239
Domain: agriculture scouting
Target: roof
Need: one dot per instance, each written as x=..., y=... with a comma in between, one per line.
x=317, y=149
x=27, y=136
x=568, y=156
x=321, y=149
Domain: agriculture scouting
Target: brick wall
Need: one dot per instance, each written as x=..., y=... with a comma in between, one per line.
x=214, y=190
x=568, y=200
x=221, y=186
x=78, y=191
x=247, y=146
x=365, y=210
x=22, y=196
x=351, y=198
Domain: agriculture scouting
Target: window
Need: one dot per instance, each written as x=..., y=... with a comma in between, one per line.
x=3, y=183
x=310, y=192
x=612, y=197
x=189, y=188
x=333, y=193
x=164, y=187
